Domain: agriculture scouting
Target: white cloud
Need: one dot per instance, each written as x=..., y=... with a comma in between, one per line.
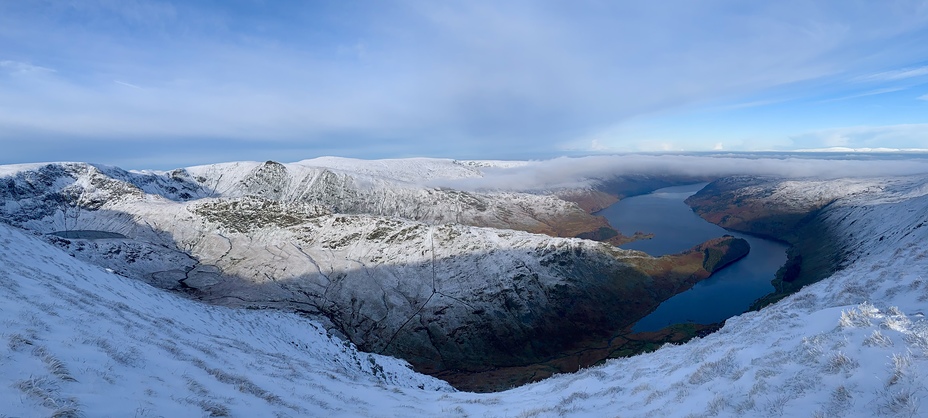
x=835, y=139
x=867, y=93
x=579, y=171
x=897, y=74
x=596, y=146
x=123, y=83
x=17, y=67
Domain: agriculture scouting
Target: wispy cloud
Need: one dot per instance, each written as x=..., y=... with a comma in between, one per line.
x=894, y=75
x=749, y=104
x=17, y=67
x=866, y=94
x=123, y=83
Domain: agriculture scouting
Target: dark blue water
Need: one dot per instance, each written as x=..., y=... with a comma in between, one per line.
x=676, y=228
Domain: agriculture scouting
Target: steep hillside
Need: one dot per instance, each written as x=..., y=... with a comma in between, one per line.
x=789, y=211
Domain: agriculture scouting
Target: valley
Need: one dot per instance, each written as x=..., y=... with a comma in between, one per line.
x=456, y=282
x=80, y=242
x=675, y=226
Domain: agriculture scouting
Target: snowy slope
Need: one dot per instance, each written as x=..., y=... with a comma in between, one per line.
x=264, y=236
x=393, y=188
x=412, y=170
x=76, y=338
x=855, y=344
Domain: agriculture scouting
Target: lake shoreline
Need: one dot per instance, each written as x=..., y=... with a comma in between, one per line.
x=676, y=227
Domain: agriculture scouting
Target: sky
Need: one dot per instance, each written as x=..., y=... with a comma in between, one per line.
x=163, y=84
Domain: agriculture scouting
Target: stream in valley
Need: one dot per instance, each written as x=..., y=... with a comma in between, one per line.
x=677, y=228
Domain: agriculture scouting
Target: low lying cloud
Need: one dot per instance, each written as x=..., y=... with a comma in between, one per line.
x=586, y=171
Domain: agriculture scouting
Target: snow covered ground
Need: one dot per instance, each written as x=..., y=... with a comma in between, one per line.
x=78, y=340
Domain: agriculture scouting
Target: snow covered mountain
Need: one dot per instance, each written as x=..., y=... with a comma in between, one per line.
x=396, y=267
x=79, y=340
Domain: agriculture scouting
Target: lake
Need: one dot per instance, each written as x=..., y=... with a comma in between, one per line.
x=676, y=228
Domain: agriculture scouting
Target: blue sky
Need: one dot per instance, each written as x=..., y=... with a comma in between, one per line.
x=160, y=84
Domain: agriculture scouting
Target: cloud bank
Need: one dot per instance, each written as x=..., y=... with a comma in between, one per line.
x=586, y=171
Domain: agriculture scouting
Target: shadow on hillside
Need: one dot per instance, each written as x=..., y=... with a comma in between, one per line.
x=460, y=313
x=484, y=321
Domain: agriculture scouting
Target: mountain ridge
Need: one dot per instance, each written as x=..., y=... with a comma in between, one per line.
x=375, y=259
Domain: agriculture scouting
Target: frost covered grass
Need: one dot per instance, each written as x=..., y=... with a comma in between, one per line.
x=78, y=341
